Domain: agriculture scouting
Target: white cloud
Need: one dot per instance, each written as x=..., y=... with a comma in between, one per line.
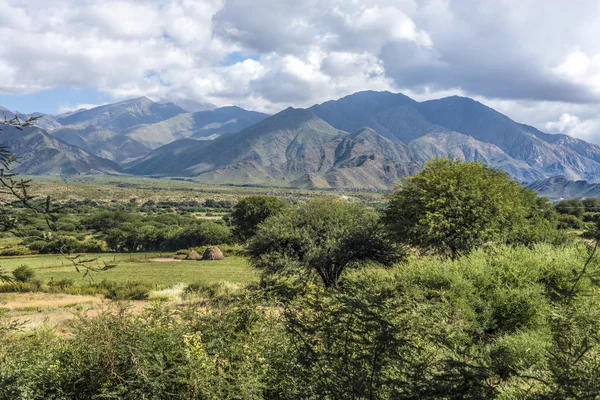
x=534, y=66
x=565, y=123
x=65, y=108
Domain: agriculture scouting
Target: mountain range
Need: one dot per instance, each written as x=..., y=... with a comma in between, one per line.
x=366, y=140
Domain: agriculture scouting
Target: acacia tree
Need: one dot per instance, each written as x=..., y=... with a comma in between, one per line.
x=251, y=211
x=322, y=237
x=451, y=207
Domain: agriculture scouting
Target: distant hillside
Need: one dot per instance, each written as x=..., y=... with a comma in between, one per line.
x=366, y=140
x=102, y=142
x=198, y=125
x=272, y=141
x=120, y=116
x=559, y=187
x=392, y=136
x=41, y=154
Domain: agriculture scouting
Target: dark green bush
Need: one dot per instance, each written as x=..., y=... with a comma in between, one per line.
x=127, y=290
x=23, y=274
x=568, y=221
x=16, y=251
x=571, y=207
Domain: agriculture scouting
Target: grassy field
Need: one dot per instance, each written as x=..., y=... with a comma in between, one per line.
x=125, y=188
x=137, y=267
x=169, y=277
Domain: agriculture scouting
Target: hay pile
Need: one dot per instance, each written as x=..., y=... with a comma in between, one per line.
x=193, y=255
x=213, y=253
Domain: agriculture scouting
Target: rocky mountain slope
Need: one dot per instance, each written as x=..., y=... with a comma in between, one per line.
x=42, y=154
x=120, y=116
x=559, y=187
x=102, y=142
x=366, y=140
x=199, y=125
x=370, y=139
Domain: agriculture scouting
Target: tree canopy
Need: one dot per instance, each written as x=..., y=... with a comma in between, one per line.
x=453, y=206
x=322, y=237
x=251, y=211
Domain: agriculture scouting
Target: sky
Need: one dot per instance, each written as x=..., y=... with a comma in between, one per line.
x=538, y=61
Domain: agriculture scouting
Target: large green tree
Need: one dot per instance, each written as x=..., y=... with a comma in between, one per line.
x=453, y=206
x=322, y=237
x=251, y=211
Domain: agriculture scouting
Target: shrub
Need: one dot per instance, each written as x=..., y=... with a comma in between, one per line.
x=129, y=290
x=322, y=238
x=23, y=274
x=571, y=207
x=568, y=221
x=16, y=251
x=208, y=290
x=251, y=211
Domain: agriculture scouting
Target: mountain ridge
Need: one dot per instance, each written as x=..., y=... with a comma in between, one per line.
x=366, y=140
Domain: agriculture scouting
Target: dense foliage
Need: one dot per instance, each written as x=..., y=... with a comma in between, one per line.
x=90, y=227
x=251, y=211
x=501, y=323
x=512, y=313
x=322, y=237
x=452, y=207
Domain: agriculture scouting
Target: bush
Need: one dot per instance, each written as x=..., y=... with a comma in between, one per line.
x=128, y=290
x=591, y=216
x=16, y=251
x=251, y=211
x=452, y=207
x=568, y=221
x=208, y=290
x=23, y=274
x=21, y=287
x=571, y=207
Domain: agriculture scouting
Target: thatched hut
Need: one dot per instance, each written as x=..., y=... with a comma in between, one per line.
x=213, y=253
x=193, y=255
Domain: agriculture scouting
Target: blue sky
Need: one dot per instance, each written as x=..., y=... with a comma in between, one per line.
x=53, y=100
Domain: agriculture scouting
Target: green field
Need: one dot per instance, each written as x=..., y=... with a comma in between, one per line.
x=137, y=267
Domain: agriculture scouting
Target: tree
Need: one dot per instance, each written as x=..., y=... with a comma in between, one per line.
x=451, y=207
x=251, y=211
x=571, y=207
x=23, y=274
x=322, y=237
x=591, y=204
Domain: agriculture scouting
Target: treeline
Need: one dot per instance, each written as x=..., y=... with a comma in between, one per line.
x=578, y=214
x=89, y=227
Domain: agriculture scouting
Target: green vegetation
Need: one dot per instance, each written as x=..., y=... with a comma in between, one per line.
x=135, y=267
x=499, y=323
x=453, y=207
x=23, y=274
x=322, y=237
x=499, y=305
x=251, y=211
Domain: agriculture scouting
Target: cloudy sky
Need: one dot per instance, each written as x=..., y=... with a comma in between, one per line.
x=538, y=61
